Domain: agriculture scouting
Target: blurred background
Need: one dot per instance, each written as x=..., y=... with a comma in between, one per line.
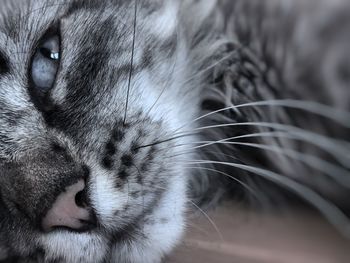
x=234, y=234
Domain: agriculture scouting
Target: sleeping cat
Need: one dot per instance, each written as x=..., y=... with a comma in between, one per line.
x=118, y=116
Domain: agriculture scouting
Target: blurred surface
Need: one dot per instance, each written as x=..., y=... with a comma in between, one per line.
x=298, y=236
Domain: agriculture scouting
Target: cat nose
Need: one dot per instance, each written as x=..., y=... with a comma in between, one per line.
x=70, y=211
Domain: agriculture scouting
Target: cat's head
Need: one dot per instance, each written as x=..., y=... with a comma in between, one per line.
x=92, y=101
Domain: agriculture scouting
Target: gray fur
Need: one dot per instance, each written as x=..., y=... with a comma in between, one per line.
x=133, y=127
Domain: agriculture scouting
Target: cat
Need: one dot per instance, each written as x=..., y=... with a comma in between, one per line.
x=119, y=116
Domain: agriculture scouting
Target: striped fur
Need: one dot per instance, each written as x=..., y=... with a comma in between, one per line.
x=164, y=103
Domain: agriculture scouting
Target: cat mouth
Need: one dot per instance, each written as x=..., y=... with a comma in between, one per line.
x=85, y=227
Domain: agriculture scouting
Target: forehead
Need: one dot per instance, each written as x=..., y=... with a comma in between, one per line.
x=85, y=22
x=33, y=16
x=86, y=28
x=96, y=45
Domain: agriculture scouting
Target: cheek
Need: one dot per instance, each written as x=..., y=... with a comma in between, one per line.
x=105, y=197
x=162, y=105
x=125, y=178
x=14, y=96
x=117, y=203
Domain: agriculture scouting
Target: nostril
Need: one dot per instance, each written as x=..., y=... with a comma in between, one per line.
x=81, y=199
x=70, y=210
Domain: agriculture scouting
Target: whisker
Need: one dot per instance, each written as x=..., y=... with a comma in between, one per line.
x=131, y=63
x=338, y=148
x=167, y=82
x=203, y=71
x=337, y=173
x=332, y=213
x=159, y=96
x=331, y=168
x=198, y=228
x=342, y=117
x=209, y=219
x=251, y=135
x=264, y=134
x=163, y=141
x=246, y=186
x=332, y=146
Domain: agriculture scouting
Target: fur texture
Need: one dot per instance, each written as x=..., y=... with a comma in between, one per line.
x=160, y=104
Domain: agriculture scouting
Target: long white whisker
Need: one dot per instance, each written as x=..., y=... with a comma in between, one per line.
x=329, y=210
x=342, y=117
x=218, y=62
x=334, y=146
x=339, y=174
x=227, y=175
x=167, y=82
x=209, y=219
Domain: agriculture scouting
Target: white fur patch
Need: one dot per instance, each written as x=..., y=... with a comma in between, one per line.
x=166, y=21
x=104, y=196
x=162, y=230
x=74, y=247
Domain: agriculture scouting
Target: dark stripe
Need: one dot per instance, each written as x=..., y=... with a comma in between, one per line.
x=127, y=160
x=4, y=64
x=148, y=160
x=147, y=58
x=123, y=174
x=85, y=75
x=110, y=148
x=118, y=135
x=169, y=46
x=107, y=163
x=78, y=5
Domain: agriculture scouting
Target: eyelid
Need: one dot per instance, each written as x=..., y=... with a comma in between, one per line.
x=52, y=43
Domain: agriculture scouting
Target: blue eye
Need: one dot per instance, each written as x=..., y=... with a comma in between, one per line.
x=45, y=63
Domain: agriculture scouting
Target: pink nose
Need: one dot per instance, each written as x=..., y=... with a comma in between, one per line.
x=70, y=211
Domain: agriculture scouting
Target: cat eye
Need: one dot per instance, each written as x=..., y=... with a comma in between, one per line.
x=45, y=63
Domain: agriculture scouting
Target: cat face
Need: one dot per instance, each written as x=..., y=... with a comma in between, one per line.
x=100, y=128
x=87, y=166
